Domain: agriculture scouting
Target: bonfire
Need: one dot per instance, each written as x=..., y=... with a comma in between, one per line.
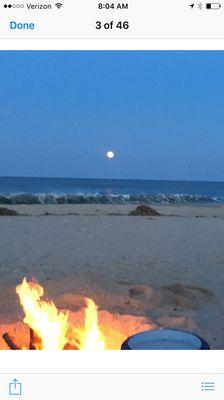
x=52, y=329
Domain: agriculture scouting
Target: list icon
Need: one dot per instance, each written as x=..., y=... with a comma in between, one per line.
x=208, y=386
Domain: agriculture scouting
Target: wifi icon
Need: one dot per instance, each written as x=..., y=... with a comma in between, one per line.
x=58, y=5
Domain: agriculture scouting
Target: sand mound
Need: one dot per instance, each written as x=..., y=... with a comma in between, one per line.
x=144, y=210
x=190, y=297
x=149, y=294
x=7, y=212
x=175, y=295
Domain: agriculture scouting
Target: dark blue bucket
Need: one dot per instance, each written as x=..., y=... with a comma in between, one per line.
x=165, y=339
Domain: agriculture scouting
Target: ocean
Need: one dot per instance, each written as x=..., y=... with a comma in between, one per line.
x=107, y=191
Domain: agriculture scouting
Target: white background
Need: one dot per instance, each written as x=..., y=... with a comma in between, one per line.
x=112, y=44
x=185, y=361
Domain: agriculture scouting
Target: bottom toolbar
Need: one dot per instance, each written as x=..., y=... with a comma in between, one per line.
x=111, y=386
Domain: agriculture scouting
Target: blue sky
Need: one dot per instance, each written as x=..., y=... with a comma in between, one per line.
x=161, y=112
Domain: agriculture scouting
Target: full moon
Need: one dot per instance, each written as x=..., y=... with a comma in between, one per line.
x=110, y=154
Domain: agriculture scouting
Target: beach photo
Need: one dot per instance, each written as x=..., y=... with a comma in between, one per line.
x=111, y=200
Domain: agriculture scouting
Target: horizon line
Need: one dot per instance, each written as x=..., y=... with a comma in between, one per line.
x=114, y=179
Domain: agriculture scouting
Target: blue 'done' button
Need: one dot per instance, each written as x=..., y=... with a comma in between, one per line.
x=22, y=25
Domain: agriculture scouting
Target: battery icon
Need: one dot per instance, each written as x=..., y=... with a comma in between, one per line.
x=213, y=6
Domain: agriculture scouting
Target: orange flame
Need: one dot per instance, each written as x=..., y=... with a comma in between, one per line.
x=43, y=317
x=93, y=337
x=51, y=326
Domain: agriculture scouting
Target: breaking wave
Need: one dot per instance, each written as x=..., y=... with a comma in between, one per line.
x=97, y=198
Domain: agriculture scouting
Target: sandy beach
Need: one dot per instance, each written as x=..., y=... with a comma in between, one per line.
x=168, y=269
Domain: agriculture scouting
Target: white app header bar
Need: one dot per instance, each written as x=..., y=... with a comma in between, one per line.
x=93, y=19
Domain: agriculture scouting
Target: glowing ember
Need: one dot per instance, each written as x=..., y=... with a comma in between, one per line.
x=93, y=338
x=43, y=318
